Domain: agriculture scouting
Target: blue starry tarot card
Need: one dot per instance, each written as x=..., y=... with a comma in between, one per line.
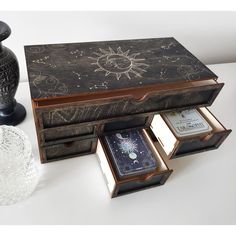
x=130, y=153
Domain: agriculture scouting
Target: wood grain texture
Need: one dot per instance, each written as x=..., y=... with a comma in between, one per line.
x=67, y=149
x=66, y=69
x=81, y=90
x=70, y=114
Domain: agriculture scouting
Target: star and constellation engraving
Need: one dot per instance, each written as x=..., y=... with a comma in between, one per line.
x=112, y=63
x=119, y=63
x=103, y=85
x=77, y=53
x=45, y=61
x=100, y=66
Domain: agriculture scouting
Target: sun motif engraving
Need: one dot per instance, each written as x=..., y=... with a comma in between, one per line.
x=119, y=63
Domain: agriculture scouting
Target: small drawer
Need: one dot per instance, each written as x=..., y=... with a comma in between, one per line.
x=67, y=150
x=118, y=186
x=173, y=146
x=127, y=122
x=60, y=134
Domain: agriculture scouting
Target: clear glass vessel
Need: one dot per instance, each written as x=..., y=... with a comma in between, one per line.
x=18, y=172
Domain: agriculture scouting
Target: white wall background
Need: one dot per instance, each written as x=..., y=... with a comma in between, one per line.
x=211, y=36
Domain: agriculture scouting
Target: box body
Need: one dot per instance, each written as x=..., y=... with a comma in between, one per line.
x=82, y=91
x=77, y=88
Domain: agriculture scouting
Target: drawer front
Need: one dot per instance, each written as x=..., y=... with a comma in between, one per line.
x=196, y=146
x=130, y=122
x=129, y=187
x=55, y=135
x=68, y=150
x=72, y=114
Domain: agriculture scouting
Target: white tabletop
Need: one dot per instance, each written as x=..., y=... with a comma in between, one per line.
x=201, y=190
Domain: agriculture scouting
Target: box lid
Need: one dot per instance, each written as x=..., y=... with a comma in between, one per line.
x=62, y=70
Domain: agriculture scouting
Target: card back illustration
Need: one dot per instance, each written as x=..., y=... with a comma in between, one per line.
x=187, y=123
x=130, y=153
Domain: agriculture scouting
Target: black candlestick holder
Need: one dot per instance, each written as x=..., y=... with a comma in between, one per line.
x=11, y=112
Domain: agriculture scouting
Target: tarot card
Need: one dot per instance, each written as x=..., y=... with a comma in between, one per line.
x=187, y=123
x=130, y=153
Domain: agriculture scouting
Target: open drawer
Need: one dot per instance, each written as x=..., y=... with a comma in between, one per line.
x=121, y=185
x=174, y=146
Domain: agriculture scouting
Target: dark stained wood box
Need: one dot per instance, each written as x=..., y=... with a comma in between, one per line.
x=80, y=91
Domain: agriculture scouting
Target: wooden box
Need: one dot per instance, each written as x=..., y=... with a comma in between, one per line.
x=77, y=88
x=81, y=91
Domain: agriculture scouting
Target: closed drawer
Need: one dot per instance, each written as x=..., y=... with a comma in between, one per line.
x=60, y=134
x=163, y=135
x=118, y=186
x=67, y=150
x=51, y=136
x=129, y=122
x=77, y=112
